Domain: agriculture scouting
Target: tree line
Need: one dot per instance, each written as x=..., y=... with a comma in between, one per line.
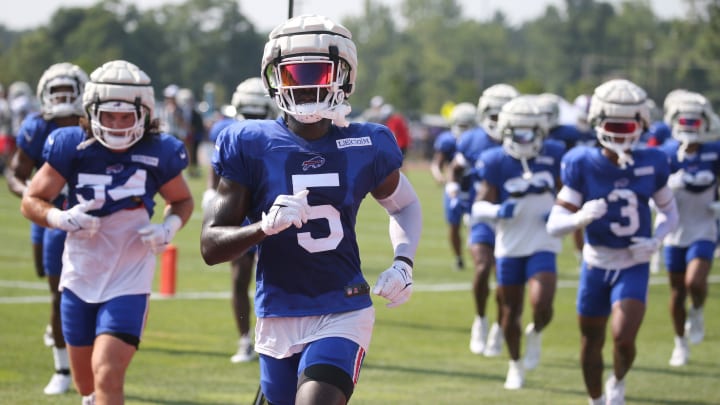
x=432, y=55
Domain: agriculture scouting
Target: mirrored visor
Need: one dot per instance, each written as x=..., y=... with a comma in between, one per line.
x=619, y=127
x=306, y=74
x=690, y=122
x=522, y=136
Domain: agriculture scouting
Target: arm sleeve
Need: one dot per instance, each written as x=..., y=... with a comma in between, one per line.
x=403, y=206
x=667, y=218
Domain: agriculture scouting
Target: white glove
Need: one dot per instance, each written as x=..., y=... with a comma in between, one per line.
x=452, y=189
x=395, y=283
x=715, y=208
x=207, y=196
x=158, y=236
x=75, y=220
x=643, y=248
x=286, y=210
x=590, y=211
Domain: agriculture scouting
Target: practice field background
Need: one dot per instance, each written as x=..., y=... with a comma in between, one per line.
x=419, y=353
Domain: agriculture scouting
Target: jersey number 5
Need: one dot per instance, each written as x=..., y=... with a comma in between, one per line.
x=331, y=214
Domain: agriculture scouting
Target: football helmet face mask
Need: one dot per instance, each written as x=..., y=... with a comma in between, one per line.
x=309, y=68
x=119, y=87
x=619, y=114
x=523, y=127
x=60, y=90
x=251, y=100
x=462, y=118
x=690, y=116
x=489, y=105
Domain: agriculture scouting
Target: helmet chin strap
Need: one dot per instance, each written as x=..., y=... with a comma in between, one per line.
x=527, y=173
x=682, y=150
x=625, y=159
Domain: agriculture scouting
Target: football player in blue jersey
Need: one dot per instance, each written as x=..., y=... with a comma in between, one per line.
x=519, y=182
x=249, y=101
x=300, y=180
x=608, y=191
x=462, y=118
x=60, y=93
x=694, y=164
x=481, y=239
x=113, y=165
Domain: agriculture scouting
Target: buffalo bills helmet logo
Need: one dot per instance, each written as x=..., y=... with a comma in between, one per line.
x=314, y=162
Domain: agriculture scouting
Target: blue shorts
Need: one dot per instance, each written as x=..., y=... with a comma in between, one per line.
x=677, y=258
x=482, y=233
x=455, y=209
x=53, y=246
x=600, y=288
x=37, y=233
x=279, y=377
x=83, y=321
x=518, y=270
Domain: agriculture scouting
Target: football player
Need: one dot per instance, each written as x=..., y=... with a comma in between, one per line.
x=113, y=165
x=60, y=93
x=519, y=182
x=607, y=191
x=300, y=180
x=694, y=167
x=249, y=101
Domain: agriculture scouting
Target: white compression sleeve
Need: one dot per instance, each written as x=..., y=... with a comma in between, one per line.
x=666, y=219
x=403, y=206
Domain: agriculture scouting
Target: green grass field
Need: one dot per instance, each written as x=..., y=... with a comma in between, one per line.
x=419, y=353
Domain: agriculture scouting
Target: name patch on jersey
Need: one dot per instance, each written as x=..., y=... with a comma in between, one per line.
x=545, y=160
x=148, y=160
x=709, y=157
x=644, y=171
x=350, y=142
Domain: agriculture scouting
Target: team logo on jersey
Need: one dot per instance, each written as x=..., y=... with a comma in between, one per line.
x=314, y=162
x=145, y=159
x=114, y=169
x=350, y=142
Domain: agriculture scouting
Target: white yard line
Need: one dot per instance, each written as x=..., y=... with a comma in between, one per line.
x=200, y=295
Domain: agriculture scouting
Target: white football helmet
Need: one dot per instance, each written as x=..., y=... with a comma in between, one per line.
x=690, y=116
x=462, y=118
x=489, y=105
x=669, y=99
x=523, y=127
x=619, y=114
x=252, y=101
x=549, y=104
x=62, y=103
x=309, y=67
x=119, y=86
x=19, y=89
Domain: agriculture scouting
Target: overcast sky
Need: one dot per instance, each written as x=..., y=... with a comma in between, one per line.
x=266, y=14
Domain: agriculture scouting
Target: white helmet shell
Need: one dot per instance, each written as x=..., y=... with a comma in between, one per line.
x=682, y=114
x=66, y=103
x=251, y=100
x=619, y=100
x=523, y=127
x=462, y=118
x=308, y=39
x=549, y=103
x=489, y=105
x=119, y=86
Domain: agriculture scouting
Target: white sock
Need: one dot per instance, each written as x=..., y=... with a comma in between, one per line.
x=88, y=399
x=61, y=358
x=597, y=401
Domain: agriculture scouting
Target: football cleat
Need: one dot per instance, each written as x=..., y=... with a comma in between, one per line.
x=59, y=384
x=495, y=340
x=681, y=352
x=245, y=352
x=533, y=341
x=515, y=376
x=478, y=335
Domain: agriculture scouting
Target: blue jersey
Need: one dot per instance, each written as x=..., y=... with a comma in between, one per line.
x=218, y=126
x=626, y=191
x=569, y=135
x=505, y=173
x=119, y=181
x=307, y=271
x=446, y=144
x=32, y=135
